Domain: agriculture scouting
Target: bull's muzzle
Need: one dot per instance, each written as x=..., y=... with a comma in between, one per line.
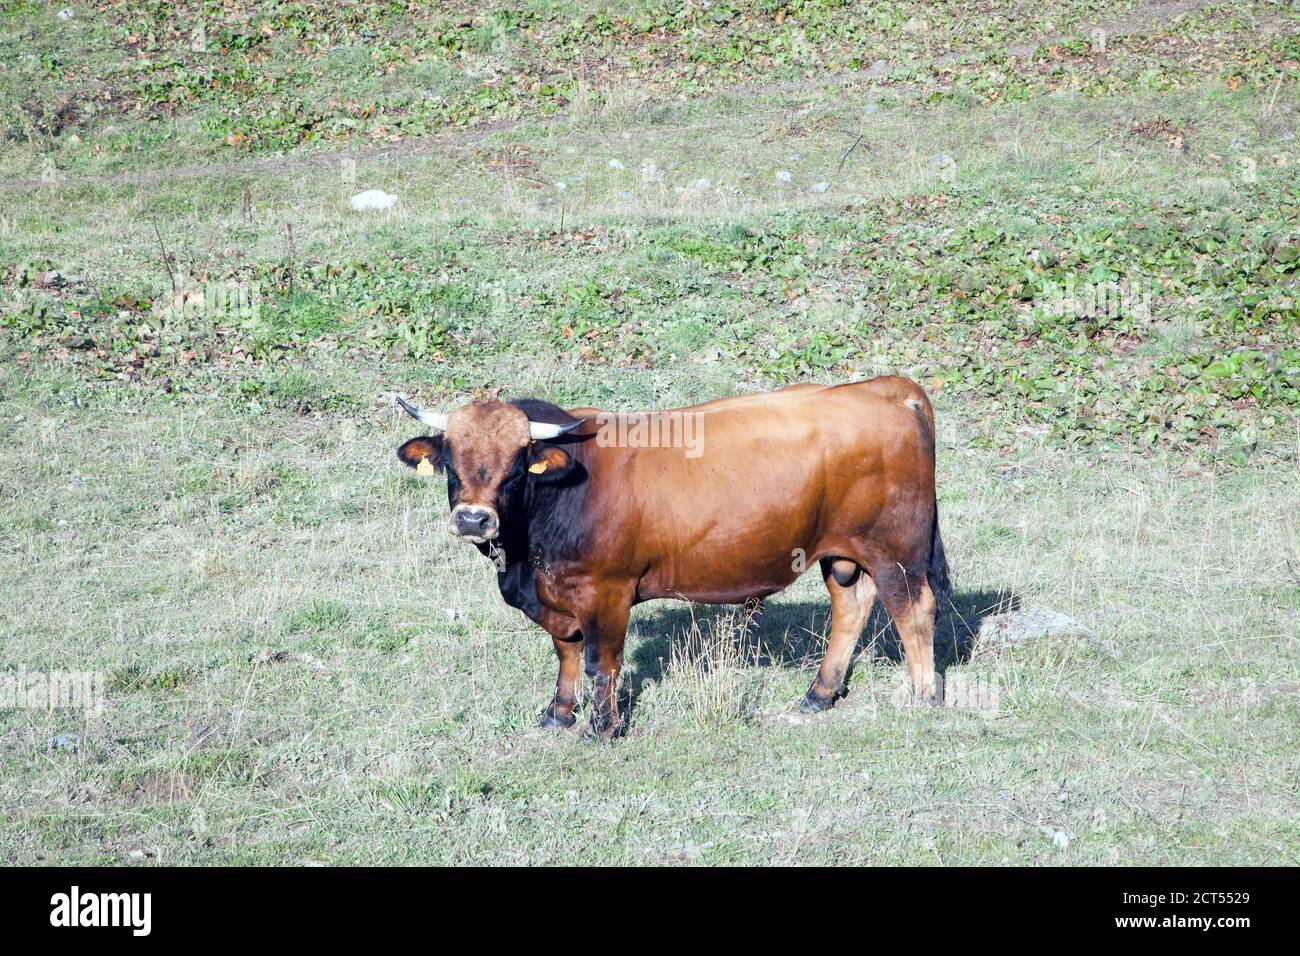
x=474, y=523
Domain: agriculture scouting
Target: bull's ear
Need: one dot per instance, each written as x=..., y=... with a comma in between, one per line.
x=424, y=454
x=548, y=462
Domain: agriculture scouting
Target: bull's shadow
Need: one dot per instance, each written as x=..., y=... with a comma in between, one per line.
x=793, y=633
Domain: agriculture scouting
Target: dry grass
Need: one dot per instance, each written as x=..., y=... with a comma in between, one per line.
x=710, y=669
x=304, y=667
x=442, y=182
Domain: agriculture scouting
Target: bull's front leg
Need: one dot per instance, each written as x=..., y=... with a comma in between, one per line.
x=568, y=686
x=603, y=633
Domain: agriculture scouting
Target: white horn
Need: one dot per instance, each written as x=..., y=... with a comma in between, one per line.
x=544, y=431
x=435, y=420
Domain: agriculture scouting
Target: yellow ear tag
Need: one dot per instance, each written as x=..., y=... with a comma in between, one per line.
x=424, y=468
x=537, y=467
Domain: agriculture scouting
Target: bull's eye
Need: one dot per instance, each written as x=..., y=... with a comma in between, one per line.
x=516, y=472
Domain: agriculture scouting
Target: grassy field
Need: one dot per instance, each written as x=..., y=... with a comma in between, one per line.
x=643, y=205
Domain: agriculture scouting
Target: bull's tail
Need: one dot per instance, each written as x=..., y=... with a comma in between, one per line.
x=937, y=571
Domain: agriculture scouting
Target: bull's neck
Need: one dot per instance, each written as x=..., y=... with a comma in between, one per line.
x=556, y=525
x=550, y=532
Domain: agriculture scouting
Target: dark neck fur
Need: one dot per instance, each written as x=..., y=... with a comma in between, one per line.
x=552, y=525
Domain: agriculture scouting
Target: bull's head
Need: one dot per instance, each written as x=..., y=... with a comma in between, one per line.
x=489, y=451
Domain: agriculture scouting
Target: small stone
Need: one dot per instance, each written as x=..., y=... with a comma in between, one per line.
x=69, y=743
x=615, y=164
x=819, y=187
x=783, y=176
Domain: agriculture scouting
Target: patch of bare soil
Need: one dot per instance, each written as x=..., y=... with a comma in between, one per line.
x=162, y=787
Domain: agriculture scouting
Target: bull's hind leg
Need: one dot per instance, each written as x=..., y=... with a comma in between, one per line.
x=852, y=594
x=910, y=602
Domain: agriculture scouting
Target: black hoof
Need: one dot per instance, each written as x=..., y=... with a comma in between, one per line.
x=554, y=721
x=814, y=704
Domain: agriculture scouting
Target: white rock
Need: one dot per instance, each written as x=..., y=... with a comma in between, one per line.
x=373, y=199
x=615, y=164
x=1013, y=627
x=66, y=13
x=699, y=185
x=783, y=176
x=819, y=187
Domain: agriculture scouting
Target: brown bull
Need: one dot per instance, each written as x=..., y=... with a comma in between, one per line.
x=587, y=513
